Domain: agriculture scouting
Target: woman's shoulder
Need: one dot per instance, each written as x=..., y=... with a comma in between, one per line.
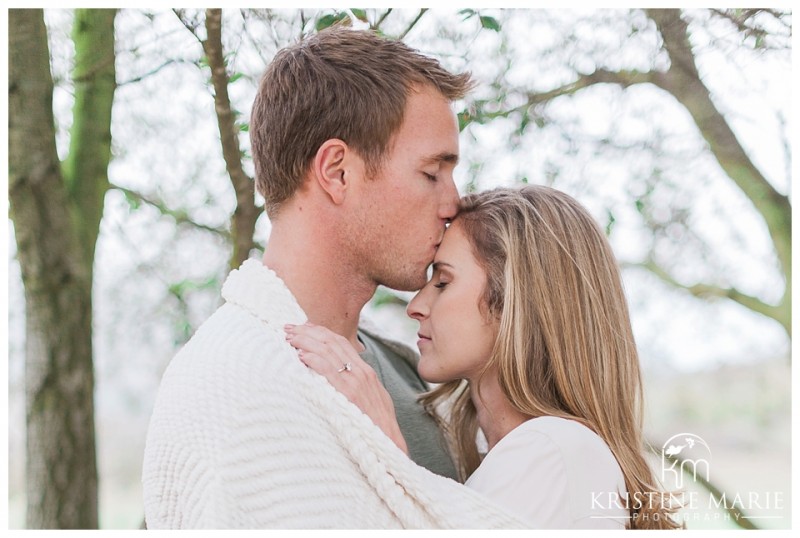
x=565, y=433
x=549, y=467
x=580, y=448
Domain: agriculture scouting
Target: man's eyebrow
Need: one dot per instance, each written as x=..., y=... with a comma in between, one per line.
x=444, y=156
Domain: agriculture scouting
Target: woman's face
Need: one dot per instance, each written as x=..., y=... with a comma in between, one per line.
x=455, y=339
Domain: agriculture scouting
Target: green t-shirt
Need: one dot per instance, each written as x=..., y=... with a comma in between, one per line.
x=426, y=444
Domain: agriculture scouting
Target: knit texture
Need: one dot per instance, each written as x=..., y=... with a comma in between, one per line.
x=243, y=435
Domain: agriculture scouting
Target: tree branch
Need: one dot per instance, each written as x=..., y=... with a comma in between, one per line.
x=246, y=214
x=188, y=24
x=179, y=216
x=413, y=23
x=709, y=290
x=600, y=76
x=683, y=81
x=741, y=17
x=382, y=18
x=152, y=72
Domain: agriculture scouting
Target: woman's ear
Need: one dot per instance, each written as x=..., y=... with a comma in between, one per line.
x=328, y=169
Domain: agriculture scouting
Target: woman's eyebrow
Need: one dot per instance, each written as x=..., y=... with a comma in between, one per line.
x=437, y=266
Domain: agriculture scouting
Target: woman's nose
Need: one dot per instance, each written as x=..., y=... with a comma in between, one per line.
x=417, y=308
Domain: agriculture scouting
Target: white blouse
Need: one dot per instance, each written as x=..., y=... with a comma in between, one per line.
x=554, y=473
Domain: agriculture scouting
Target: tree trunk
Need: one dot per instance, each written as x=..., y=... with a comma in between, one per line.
x=56, y=262
x=243, y=220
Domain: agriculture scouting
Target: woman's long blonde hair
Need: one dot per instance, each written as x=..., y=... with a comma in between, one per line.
x=565, y=346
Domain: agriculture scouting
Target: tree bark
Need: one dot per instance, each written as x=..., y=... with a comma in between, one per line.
x=56, y=264
x=683, y=81
x=245, y=215
x=86, y=166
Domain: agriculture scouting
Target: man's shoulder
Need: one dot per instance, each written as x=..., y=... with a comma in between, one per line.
x=232, y=348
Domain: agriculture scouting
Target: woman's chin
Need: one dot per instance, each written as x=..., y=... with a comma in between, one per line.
x=431, y=376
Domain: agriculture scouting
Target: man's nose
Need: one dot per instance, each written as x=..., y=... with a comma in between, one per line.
x=449, y=203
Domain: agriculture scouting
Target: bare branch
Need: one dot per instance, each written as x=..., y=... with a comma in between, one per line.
x=154, y=71
x=180, y=216
x=600, y=76
x=683, y=82
x=413, y=23
x=382, y=18
x=743, y=20
x=189, y=24
x=708, y=290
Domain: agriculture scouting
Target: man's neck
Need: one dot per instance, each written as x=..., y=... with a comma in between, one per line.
x=328, y=290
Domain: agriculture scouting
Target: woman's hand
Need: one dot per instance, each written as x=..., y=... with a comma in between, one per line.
x=332, y=356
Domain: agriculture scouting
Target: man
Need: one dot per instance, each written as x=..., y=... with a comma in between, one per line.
x=358, y=191
x=354, y=143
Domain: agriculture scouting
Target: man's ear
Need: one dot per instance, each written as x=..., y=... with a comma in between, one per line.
x=329, y=170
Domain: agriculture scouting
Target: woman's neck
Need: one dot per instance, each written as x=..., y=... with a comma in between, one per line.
x=496, y=415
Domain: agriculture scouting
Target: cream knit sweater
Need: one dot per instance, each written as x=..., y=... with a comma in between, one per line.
x=243, y=435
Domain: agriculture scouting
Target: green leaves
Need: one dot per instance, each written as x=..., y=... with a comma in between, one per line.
x=344, y=17
x=360, y=14
x=489, y=23
x=329, y=20
x=134, y=202
x=610, y=220
x=185, y=287
x=464, y=119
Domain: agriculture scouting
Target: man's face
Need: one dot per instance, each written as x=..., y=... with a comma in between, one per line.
x=403, y=211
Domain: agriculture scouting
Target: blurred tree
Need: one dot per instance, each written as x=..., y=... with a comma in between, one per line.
x=679, y=76
x=171, y=171
x=683, y=81
x=246, y=212
x=56, y=208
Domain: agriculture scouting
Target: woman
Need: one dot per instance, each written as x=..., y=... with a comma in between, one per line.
x=525, y=328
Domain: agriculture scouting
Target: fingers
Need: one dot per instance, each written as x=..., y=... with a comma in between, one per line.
x=327, y=353
x=333, y=350
x=322, y=366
